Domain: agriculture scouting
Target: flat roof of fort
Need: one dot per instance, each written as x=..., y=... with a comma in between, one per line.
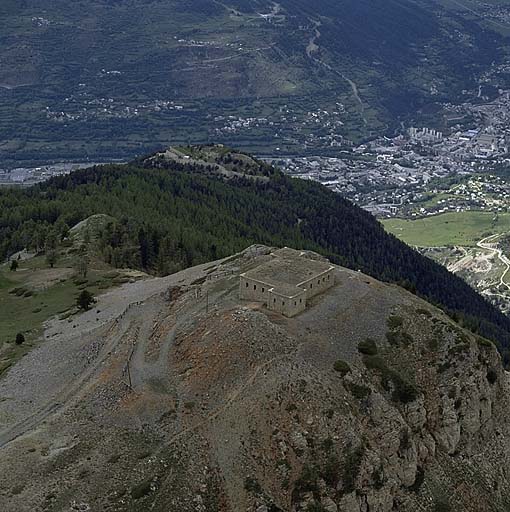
x=288, y=271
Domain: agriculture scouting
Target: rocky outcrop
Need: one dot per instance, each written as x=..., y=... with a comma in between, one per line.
x=459, y=411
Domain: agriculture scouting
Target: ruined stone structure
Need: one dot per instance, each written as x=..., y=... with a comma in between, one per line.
x=287, y=281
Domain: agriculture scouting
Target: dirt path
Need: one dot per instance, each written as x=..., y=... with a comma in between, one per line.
x=488, y=244
x=460, y=264
x=45, y=384
x=152, y=371
x=113, y=339
x=313, y=47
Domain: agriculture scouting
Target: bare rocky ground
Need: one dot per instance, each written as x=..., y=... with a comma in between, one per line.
x=479, y=266
x=171, y=395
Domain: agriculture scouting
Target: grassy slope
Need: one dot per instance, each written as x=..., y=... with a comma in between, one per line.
x=463, y=228
x=27, y=314
x=47, y=296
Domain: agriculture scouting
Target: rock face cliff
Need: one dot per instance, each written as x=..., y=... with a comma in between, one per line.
x=173, y=395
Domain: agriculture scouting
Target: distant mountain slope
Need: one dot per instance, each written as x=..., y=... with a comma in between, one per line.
x=77, y=71
x=188, y=206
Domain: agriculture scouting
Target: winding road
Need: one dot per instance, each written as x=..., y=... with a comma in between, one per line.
x=313, y=47
x=488, y=243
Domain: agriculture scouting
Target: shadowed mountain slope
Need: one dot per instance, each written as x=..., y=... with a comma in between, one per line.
x=112, y=73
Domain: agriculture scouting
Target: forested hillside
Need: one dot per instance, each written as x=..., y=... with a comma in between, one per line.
x=170, y=215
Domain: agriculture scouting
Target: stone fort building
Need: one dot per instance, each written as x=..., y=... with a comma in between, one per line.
x=287, y=281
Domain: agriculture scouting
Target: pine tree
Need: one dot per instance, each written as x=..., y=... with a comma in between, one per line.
x=51, y=257
x=85, y=300
x=82, y=264
x=50, y=247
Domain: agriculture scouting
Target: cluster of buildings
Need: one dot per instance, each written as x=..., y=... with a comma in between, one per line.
x=38, y=21
x=319, y=128
x=497, y=12
x=234, y=124
x=425, y=135
x=84, y=107
x=24, y=176
x=209, y=44
x=416, y=174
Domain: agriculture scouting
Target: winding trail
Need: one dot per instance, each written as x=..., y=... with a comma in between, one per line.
x=72, y=391
x=313, y=47
x=123, y=326
x=489, y=245
x=470, y=261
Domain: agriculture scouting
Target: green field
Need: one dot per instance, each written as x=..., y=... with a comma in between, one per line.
x=464, y=228
x=35, y=293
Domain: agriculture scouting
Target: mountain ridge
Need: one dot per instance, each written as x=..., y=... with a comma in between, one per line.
x=174, y=214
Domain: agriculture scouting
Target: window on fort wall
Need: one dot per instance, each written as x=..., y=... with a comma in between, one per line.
x=247, y=285
x=254, y=286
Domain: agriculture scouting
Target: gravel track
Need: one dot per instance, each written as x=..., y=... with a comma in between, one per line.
x=55, y=373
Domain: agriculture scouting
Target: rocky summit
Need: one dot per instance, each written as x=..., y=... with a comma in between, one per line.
x=173, y=394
